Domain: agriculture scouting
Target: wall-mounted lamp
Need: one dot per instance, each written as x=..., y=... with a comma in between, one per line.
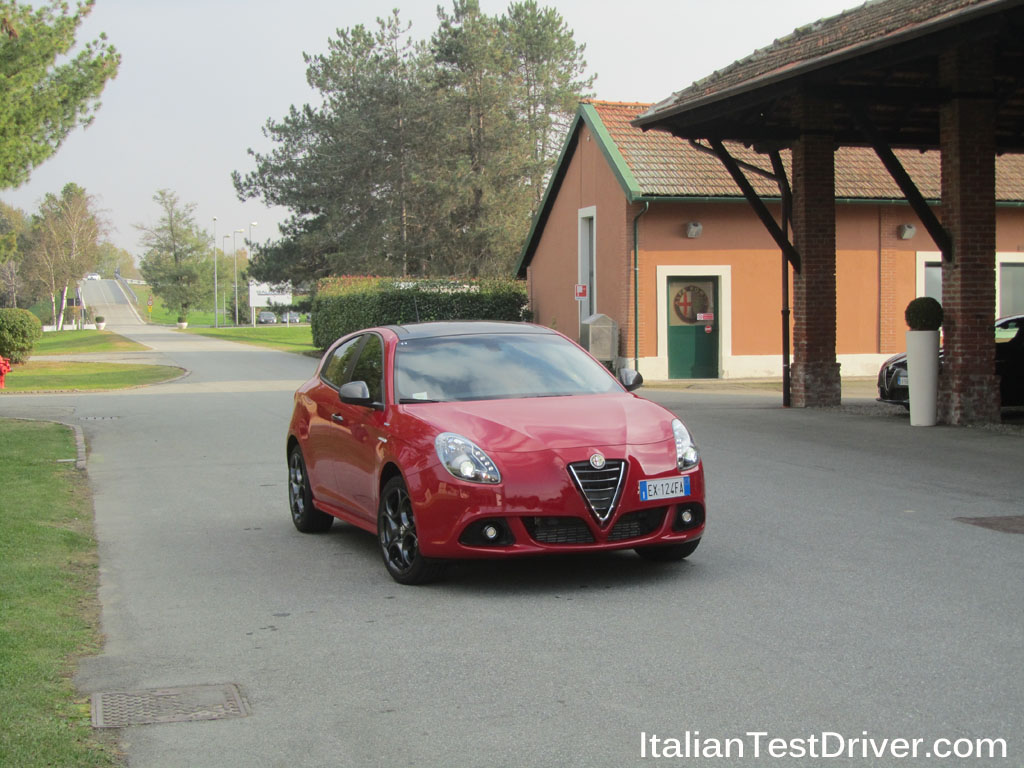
x=905, y=231
x=693, y=229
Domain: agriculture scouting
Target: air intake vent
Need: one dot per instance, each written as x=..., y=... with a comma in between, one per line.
x=558, y=530
x=600, y=487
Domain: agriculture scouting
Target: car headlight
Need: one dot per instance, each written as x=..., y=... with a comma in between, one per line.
x=465, y=460
x=686, y=450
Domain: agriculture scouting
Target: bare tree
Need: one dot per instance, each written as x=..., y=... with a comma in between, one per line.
x=64, y=244
x=13, y=226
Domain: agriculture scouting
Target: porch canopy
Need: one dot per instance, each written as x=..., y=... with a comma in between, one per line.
x=942, y=74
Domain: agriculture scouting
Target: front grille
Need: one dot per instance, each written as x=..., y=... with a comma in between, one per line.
x=637, y=524
x=888, y=388
x=600, y=487
x=558, y=530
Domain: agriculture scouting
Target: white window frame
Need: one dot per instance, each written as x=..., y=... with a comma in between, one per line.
x=584, y=258
x=932, y=257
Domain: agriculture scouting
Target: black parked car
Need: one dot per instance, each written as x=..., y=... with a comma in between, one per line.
x=1009, y=341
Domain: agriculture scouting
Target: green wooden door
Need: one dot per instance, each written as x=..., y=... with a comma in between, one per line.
x=692, y=328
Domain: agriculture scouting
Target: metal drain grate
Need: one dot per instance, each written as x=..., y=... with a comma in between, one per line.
x=117, y=709
x=1004, y=524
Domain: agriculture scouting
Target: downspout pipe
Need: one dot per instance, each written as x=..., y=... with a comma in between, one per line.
x=636, y=286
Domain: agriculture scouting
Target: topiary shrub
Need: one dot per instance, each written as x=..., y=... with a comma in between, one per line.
x=19, y=331
x=924, y=314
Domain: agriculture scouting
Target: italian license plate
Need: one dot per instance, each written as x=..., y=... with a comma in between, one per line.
x=901, y=379
x=667, y=488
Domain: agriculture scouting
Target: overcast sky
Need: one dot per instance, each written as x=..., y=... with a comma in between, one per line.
x=200, y=78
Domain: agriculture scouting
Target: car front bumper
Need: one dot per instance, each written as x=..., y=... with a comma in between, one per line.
x=538, y=509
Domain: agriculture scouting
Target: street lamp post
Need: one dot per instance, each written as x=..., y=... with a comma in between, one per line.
x=251, y=225
x=224, y=248
x=234, y=253
x=214, y=271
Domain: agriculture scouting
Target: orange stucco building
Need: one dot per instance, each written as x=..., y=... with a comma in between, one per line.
x=666, y=245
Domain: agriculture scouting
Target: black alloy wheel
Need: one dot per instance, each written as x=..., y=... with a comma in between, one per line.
x=396, y=531
x=305, y=516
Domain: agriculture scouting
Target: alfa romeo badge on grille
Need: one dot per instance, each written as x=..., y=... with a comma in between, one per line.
x=597, y=461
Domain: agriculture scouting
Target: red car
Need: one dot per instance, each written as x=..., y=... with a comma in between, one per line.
x=470, y=440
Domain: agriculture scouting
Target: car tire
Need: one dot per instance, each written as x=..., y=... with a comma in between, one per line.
x=396, y=532
x=305, y=516
x=668, y=553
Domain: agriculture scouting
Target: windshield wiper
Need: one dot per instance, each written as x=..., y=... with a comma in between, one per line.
x=413, y=400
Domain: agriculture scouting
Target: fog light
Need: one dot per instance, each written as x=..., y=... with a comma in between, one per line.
x=493, y=532
x=686, y=517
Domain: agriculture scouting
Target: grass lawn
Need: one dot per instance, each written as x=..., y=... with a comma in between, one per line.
x=61, y=376
x=81, y=342
x=290, y=338
x=45, y=376
x=160, y=314
x=48, y=607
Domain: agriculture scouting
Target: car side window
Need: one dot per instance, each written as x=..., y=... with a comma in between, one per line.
x=334, y=371
x=370, y=367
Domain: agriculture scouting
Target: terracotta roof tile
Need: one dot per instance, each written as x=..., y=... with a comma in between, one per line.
x=851, y=29
x=664, y=165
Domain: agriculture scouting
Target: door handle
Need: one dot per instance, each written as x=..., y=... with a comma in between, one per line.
x=337, y=418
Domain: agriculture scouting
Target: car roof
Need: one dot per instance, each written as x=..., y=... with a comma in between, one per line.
x=465, y=328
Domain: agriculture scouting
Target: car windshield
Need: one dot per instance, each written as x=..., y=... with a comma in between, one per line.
x=495, y=366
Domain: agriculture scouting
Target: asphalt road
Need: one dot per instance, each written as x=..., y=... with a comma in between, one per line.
x=109, y=299
x=834, y=593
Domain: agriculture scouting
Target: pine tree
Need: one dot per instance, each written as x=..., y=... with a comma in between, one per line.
x=420, y=159
x=177, y=263
x=42, y=101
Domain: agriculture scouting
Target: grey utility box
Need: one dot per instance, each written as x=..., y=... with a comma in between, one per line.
x=599, y=335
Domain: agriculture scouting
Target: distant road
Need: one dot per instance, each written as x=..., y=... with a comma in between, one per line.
x=107, y=298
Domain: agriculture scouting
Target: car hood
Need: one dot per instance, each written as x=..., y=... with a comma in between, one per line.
x=901, y=358
x=553, y=423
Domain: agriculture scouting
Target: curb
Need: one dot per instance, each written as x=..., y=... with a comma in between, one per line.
x=80, y=451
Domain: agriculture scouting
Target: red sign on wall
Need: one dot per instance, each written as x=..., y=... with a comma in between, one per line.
x=581, y=291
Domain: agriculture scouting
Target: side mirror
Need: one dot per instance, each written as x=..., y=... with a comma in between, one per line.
x=355, y=393
x=630, y=379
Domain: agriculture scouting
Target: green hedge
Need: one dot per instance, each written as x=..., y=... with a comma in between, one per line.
x=19, y=331
x=344, y=305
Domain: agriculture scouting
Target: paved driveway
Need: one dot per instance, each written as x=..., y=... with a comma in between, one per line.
x=835, y=593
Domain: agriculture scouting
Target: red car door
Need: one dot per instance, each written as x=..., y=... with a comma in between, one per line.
x=322, y=452
x=359, y=431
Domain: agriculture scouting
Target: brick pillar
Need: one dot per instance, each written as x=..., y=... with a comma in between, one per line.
x=969, y=388
x=815, y=372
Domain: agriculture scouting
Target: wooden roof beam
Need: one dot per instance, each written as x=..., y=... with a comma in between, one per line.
x=906, y=184
x=780, y=237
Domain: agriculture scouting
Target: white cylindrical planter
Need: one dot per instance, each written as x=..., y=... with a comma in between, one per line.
x=923, y=376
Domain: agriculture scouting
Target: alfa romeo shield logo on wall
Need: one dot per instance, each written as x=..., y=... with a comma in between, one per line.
x=690, y=301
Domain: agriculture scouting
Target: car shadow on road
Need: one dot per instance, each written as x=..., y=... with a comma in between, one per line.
x=591, y=571
x=540, y=574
